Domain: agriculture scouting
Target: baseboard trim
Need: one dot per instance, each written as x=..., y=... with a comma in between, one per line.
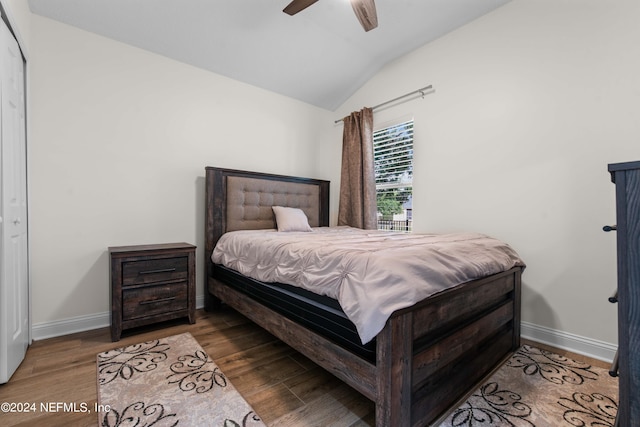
x=574, y=343
x=41, y=331
x=563, y=340
x=57, y=328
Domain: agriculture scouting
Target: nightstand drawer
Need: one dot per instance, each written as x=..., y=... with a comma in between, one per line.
x=155, y=299
x=154, y=270
x=151, y=284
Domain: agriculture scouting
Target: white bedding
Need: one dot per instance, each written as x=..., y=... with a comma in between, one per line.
x=371, y=273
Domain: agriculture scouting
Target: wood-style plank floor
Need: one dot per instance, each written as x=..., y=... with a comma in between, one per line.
x=283, y=387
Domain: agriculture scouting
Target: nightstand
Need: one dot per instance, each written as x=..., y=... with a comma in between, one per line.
x=151, y=283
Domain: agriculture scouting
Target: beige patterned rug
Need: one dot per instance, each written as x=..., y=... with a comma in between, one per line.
x=542, y=389
x=168, y=382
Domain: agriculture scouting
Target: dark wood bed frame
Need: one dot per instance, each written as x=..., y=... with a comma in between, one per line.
x=428, y=356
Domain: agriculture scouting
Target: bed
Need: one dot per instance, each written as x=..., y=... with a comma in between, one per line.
x=426, y=357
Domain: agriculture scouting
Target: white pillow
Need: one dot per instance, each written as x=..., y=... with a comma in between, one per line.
x=291, y=219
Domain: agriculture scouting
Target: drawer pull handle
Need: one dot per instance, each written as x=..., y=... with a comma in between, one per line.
x=154, y=301
x=608, y=228
x=162, y=270
x=614, y=298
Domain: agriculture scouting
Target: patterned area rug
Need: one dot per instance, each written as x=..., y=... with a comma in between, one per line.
x=168, y=382
x=542, y=389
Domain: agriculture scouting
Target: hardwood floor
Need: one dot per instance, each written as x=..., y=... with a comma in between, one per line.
x=284, y=387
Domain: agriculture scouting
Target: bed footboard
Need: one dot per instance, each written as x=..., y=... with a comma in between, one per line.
x=455, y=339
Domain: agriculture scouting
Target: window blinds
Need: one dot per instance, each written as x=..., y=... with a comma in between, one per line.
x=393, y=162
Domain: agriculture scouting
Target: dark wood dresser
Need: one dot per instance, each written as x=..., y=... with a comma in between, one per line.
x=626, y=177
x=151, y=283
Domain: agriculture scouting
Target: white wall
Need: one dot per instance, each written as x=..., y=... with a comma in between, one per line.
x=531, y=103
x=120, y=139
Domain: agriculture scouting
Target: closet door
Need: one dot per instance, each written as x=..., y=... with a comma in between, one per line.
x=14, y=282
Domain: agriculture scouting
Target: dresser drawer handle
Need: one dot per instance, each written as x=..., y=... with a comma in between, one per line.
x=614, y=298
x=162, y=270
x=608, y=228
x=154, y=301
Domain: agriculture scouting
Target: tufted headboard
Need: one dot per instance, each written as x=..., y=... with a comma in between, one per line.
x=242, y=200
x=249, y=202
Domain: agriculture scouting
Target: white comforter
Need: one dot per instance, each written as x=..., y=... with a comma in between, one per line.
x=370, y=273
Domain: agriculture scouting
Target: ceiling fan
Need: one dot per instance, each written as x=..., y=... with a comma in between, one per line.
x=365, y=10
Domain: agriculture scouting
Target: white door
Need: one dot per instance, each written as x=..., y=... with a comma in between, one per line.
x=14, y=281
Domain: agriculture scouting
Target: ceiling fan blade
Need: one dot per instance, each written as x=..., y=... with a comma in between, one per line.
x=366, y=12
x=297, y=5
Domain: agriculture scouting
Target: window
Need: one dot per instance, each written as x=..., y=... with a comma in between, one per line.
x=393, y=158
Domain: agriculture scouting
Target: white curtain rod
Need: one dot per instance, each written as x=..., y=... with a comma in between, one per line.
x=420, y=91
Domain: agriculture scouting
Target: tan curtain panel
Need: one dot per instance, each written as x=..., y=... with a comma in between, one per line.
x=357, y=207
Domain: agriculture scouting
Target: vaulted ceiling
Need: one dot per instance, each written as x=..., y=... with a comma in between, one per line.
x=320, y=56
